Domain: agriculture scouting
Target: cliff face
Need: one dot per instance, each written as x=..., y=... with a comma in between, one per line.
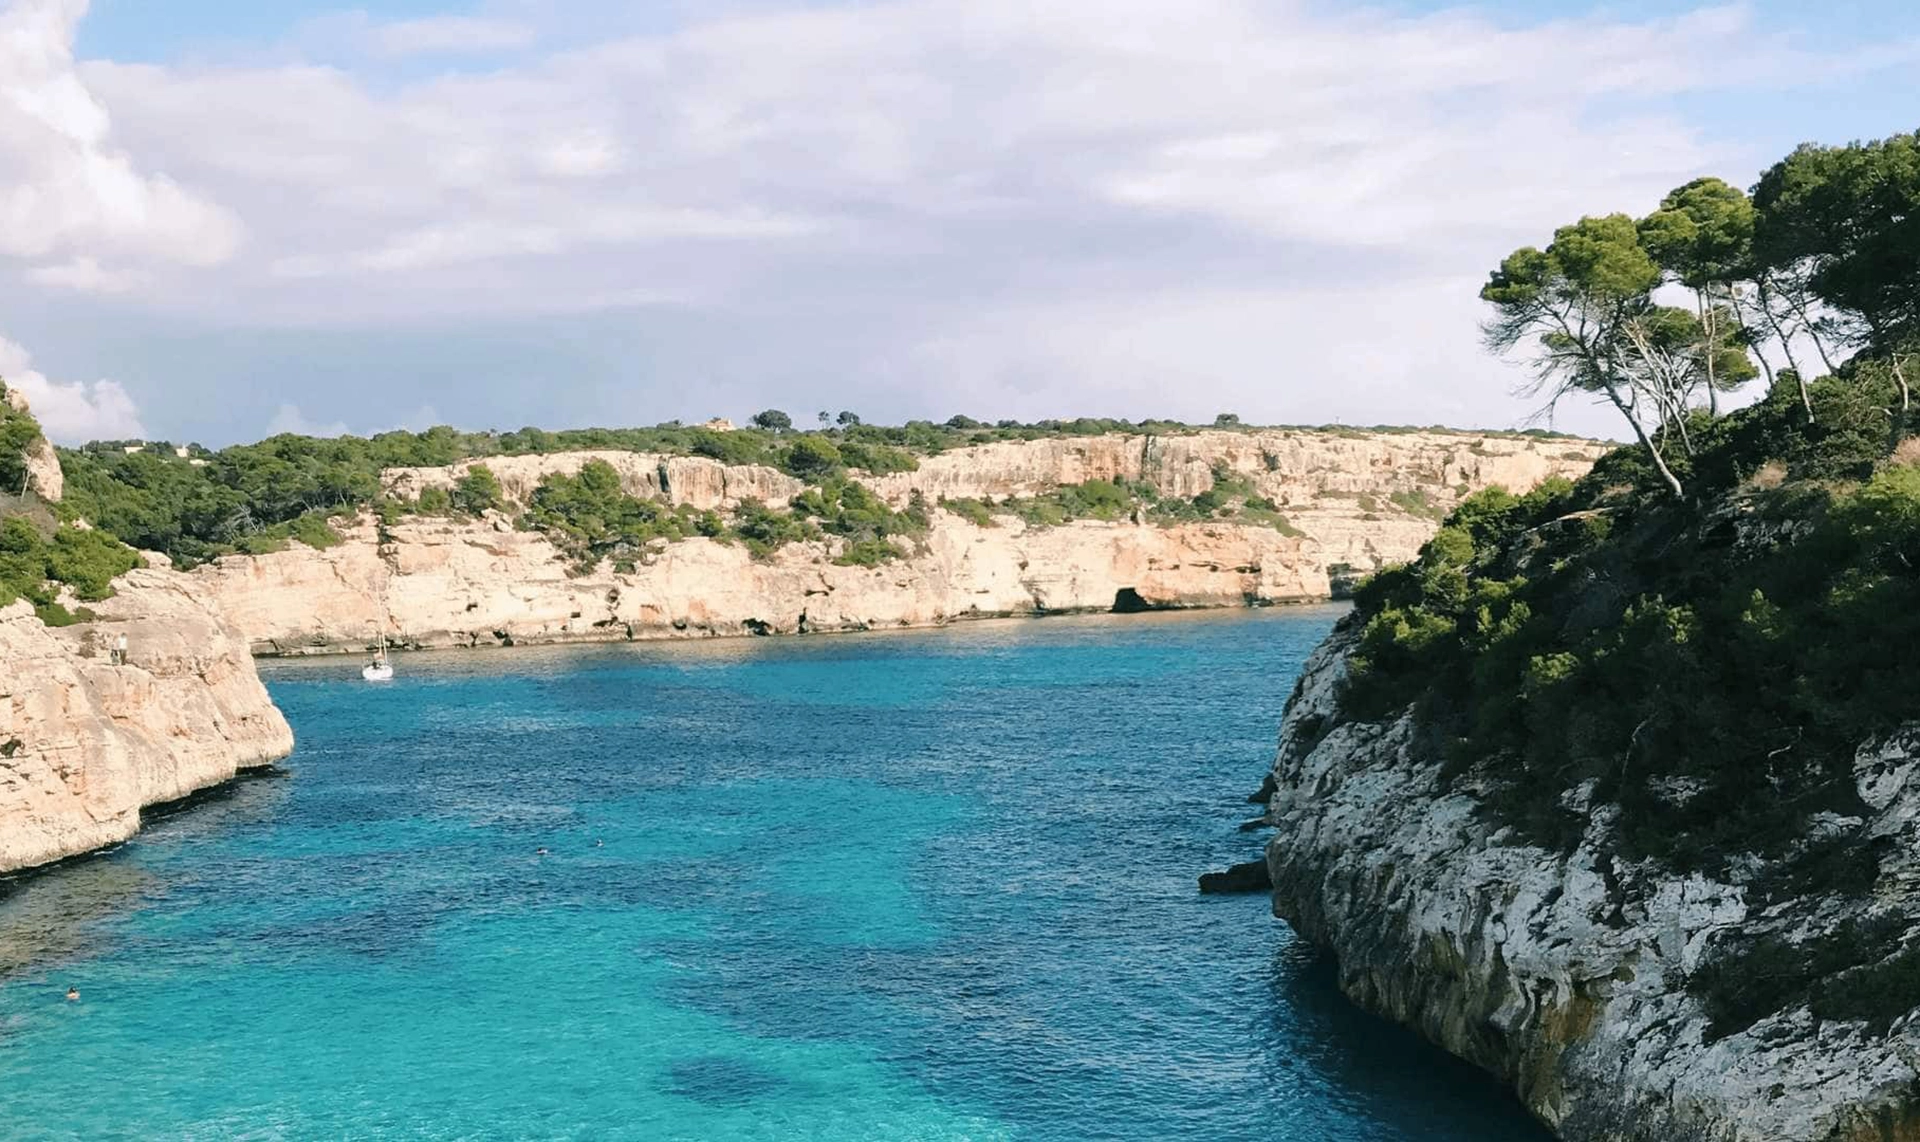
x=84, y=744
x=1566, y=973
x=446, y=583
x=439, y=582
x=692, y=480
x=1295, y=468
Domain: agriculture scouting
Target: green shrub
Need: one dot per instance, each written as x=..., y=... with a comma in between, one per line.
x=1418, y=503
x=811, y=457
x=315, y=530
x=88, y=561
x=877, y=459
x=975, y=512
x=34, y=565
x=18, y=433
x=765, y=531
x=477, y=490
x=849, y=510
x=590, y=518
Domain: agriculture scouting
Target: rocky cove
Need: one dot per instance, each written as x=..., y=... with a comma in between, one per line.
x=90, y=740
x=87, y=742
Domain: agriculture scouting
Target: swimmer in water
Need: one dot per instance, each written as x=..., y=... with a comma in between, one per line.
x=540, y=852
x=73, y=994
x=598, y=843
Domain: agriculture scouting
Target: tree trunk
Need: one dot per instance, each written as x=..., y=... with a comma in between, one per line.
x=1906, y=402
x=1740, y=314
x=1786, y=348
x=1712, y=346
x=1800, y=310
x=1653, y=450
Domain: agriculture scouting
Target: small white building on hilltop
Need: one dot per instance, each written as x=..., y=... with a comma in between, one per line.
x=718, y=424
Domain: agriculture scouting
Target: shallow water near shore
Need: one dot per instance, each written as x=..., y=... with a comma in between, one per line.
x=927, y=885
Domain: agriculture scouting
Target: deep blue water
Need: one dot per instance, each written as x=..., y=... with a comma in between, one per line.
x=932, y=885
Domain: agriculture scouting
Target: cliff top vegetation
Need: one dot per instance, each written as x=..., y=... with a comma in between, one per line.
x=253, y=498
x=39, y=556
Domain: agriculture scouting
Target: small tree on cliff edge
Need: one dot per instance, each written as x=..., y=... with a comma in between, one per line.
x=1586, y=304
x=773, y=420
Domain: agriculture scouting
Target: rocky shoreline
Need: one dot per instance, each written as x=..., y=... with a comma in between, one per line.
x=88, y=744
x=1566, y=974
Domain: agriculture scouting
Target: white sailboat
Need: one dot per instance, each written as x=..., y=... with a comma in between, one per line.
x=379, y=670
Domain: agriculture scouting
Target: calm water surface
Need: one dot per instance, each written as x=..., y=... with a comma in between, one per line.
x=916, y=886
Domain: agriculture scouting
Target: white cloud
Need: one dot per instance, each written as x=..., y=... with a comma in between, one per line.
x=448, y=34
x=874, y=127
x=72, y=412
x=290, y=419
x=87, y=275
x=1253, y=197
x=65, y=186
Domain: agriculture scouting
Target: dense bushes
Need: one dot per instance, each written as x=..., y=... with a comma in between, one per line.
x=1231, y=497
x=862, y=519
x=477, y=490
x=34, y=565
x=1709, y=666
x=590, y=518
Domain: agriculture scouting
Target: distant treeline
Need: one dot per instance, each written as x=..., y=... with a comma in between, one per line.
x=195, y=504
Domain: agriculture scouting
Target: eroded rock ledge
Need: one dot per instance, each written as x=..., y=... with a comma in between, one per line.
x=86, y=744
x=1566, y=974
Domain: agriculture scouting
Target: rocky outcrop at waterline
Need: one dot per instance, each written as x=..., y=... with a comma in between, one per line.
x=1345, y=502
x=86, y=743
x=1583, y=978
x=140, y=699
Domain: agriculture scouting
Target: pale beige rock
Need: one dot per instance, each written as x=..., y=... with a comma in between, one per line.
x=1291, y=467
x=447, y=583
x=84, y=744
x=692, y=480
x=44, y=477
x=480, y=582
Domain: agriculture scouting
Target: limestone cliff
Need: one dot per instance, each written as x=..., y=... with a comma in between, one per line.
x=85, y=744
x=1565, y=972
x=435, y=582
x=1311, y=470
x=692, y=480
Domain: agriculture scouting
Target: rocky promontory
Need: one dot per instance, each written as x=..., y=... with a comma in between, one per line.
x=86, y=744
x=1616, y=792
x=113, y=704
x=1567, y=972
x=1341, y=503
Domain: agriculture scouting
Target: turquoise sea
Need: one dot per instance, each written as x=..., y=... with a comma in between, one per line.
x=931, y=885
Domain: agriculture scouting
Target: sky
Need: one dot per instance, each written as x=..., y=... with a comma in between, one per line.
x=220, y=221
